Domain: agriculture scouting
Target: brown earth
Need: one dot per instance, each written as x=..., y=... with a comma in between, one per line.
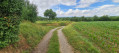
x=17, y=47
x=64, y=45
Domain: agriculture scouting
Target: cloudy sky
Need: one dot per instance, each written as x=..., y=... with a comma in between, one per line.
x=68, y=8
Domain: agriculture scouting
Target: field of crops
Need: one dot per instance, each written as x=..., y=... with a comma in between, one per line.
x=93, y=37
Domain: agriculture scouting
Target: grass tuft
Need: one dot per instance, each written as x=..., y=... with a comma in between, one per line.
x=54, y=44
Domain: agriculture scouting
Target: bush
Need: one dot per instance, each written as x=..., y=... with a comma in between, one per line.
x=10, y=12
x=8, y=31
x=10, y=8
x=105, y=18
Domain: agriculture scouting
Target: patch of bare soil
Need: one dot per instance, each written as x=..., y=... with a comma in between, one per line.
x=64, y=45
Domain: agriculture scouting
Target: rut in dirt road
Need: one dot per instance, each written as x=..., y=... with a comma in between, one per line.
x=64, y=45
x=43, y=45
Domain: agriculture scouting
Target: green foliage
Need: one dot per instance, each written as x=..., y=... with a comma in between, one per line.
x=10, y=12
x=105, y=18
x=29, y=12
x=54, y=23
x=54, y=44
x=102, y=35
x=50, y=14
x=10, y=7
x=33, y=32
x=78, y=42
x=75, y=19
x=95, y=18
x=83, y=18
x=114, y=18
x=9, y=27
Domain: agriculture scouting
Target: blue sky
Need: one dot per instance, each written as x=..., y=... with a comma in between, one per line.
x=68, y=8
x=92, y=6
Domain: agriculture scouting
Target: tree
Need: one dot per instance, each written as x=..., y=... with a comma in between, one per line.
x=75, y=19
x=83, y=18
x=95, y=18
x=105, y=18
x=29, y=12
x=50, y=14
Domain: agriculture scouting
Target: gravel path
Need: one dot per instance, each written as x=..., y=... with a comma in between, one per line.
x=43, y=45
x=64, y=45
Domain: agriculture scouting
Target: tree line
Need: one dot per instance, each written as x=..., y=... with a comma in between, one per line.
x=50, y=15
x=83, y=18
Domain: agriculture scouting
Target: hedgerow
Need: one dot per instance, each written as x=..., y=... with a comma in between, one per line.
x=9, y=27
x=10, y=11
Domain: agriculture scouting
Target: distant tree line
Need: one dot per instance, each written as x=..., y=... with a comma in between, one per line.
x=94, y=18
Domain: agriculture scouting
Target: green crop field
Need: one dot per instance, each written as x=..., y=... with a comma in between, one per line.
x=93, y=37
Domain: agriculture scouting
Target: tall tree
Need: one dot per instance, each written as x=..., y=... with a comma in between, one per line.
x=95, y=18
x=83, y=18
x=50, y=14
x=105, y=18
x=29, y=11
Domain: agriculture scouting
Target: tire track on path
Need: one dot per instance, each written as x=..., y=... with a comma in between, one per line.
x=64, y=45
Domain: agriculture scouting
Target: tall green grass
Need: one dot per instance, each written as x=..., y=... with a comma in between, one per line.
x=33, y=32
x=54, y=44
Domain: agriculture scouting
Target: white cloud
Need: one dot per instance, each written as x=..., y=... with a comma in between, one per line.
x=42, y=5
x=102, y=10
x=68, y=2
x=87, y=3
x=111, y=10
x=116, y=1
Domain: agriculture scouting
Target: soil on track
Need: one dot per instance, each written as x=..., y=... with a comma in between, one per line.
x=64, y=45
x=43, y=45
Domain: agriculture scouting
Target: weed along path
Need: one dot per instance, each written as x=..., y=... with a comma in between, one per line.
x=64, y=45
x=43, y=45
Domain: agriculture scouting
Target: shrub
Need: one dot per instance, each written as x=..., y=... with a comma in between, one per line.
x=8, y=31
x=10, y=12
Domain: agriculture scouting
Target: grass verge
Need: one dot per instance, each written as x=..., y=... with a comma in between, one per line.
x=30, y=35
x=33, y=32
x=54, y=44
